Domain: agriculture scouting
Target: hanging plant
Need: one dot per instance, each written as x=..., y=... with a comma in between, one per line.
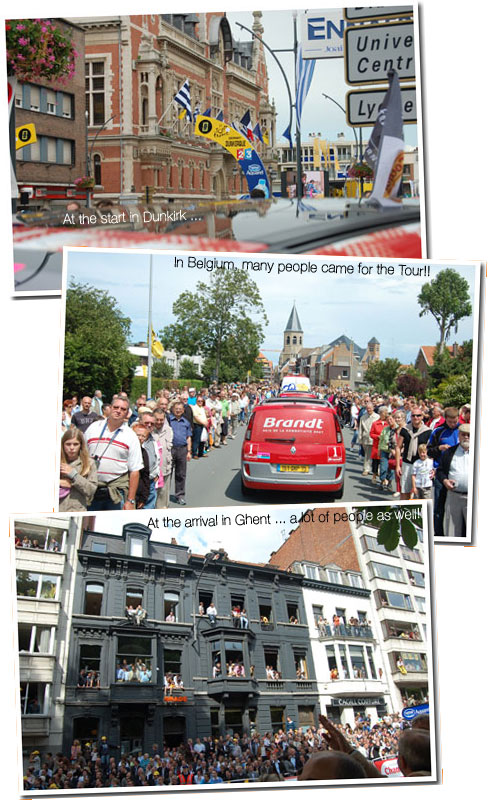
x=87, y=182
x=36, y=48
x=360, y=170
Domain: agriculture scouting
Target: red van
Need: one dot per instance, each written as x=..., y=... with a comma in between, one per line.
x=294, y=444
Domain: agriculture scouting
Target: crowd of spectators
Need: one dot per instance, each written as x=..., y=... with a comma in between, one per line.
x=329, y=751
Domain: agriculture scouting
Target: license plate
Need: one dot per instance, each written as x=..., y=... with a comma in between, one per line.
x=292, y=468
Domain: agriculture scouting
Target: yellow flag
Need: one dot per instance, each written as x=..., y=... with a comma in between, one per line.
x=182, y=113
x=156, y=345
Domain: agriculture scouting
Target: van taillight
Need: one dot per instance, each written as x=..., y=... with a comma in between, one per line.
x=338, y=429
x=248, y=434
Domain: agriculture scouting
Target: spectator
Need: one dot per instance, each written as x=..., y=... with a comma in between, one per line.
x=78, y=473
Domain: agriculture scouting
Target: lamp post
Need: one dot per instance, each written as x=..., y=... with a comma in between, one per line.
x=88, y=156
x=273, y=53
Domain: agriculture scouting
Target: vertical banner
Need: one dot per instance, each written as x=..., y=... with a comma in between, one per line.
x=11, y=94
x=240, y=148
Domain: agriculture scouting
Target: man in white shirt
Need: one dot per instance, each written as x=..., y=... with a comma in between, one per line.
x=454, y=475
x=117, y=452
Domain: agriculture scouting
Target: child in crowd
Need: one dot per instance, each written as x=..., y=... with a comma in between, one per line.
x=422, y=475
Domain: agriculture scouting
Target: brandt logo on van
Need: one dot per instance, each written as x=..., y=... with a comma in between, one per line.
x=273, y=422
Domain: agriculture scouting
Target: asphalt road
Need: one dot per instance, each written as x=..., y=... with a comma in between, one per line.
x=215, y=481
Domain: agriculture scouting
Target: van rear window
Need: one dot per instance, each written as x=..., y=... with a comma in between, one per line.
x=302, y=424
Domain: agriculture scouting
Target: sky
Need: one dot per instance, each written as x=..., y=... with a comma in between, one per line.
x=253, y=541
x=328, y=305
x=319, y=114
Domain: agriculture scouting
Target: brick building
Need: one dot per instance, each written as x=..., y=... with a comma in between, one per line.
x=49, y=166
x=135, y=65
x=425, y=357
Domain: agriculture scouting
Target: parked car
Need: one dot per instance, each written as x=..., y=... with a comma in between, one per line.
x=294, y=443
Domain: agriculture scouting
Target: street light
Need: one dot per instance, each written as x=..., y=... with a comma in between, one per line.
x=88, y=156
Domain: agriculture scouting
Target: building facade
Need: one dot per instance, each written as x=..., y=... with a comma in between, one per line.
x=342, y=362
x=170, y=583
x=46, y=170
x=379, y=664
x=134, y=67
x=397, y=580
x=45, y=567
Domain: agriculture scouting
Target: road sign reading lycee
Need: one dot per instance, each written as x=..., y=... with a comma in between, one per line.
x=25, y=135
x=372, y=50
x=362, y=105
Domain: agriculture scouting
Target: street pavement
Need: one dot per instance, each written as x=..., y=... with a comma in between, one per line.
x=215, y=481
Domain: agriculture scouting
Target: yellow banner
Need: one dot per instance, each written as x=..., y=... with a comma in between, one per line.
x=25, y=134
x=222, y=133
x=316, y=154
x=326, y=152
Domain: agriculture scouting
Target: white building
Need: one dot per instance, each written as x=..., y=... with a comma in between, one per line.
x=347, y=657
x=169, y=356
x=397, y=581
x=45, y=551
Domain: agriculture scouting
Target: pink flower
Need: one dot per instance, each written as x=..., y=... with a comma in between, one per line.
x=20, y=27
x=23, y=41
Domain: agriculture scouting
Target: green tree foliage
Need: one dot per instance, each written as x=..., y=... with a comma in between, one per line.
x=395, y=525
x=454, y=391
x=161, y=369
x=382, y=374
x=223, y=320
x=95, y=351
x=447, y=299
x=188, y=369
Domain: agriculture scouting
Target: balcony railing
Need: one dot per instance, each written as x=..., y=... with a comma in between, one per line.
x=346, y=632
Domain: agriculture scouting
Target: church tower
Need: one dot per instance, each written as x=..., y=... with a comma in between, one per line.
x=292, y=337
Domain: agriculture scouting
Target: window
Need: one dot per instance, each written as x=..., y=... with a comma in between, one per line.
x=32, y=584
x=136, y=547
x=317, y=613
x=387, y=571
x=172, y=661
x=409, y=554
x=344, y=666
x=235, y=667
x=35, y=638
x=332, y=660
x=68, y=106
x=356, y=654
x=414, y=662
x=204, y=598
x=420, y=603
x=133, y=660
x=394, y=599
x=35, y=698
x=272, y=662
x=306, y=716
x=93, y=599
x=355, y=580
x=277, y=718
x=311, y=572
x=90, y=664
x=38, y=537
x=292, y=612
x=34, y=98
x=94, y=89
x=98, y=547
x=416, y=578
x=265, y=613
x=300, y=663
x=334, y=575
x=171, y=606
x=50, y=100
x=133, y=597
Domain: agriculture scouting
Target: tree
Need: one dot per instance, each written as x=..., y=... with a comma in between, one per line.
x=215, y=321
x=95, y=348
x=382, y=374
x=161, y=369
x=410, y=384
x=188, y=370
x=455, y=391
x=447, y=299
x=395, y=524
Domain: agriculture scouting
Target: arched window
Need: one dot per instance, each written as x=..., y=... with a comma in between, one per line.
x=295, y=340
x=93, y=599
x=133, y=597
x=144, y=111
x=288, y=340
x=171, y=606
x=97, y=170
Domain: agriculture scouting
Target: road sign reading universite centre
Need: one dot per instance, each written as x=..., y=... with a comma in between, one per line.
x=362, y=105
x=372, y=50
